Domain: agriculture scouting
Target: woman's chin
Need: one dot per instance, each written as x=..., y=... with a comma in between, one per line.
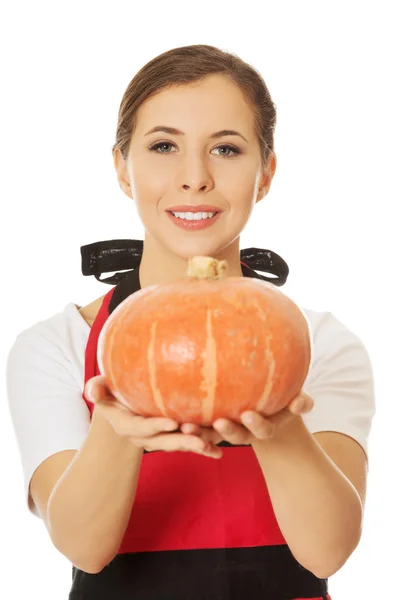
x=188, y=251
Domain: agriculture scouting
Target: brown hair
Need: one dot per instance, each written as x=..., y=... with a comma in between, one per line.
x=189, y=64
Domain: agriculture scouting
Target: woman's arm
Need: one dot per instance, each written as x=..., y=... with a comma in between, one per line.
x=89, y=507
x=318, y=508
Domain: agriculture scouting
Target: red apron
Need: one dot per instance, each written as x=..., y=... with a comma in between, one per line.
x=199, y=528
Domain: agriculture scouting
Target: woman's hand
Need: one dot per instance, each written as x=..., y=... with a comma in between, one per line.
x=149, y=433
x=255, y=426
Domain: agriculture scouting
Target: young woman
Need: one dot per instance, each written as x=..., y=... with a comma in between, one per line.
x=137, y=504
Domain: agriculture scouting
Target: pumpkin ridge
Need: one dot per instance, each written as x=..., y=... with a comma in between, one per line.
x=209, y=372
x=269, y=383
x=152, y=367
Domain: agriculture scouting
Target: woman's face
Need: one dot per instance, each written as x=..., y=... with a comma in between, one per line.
x=167, y=169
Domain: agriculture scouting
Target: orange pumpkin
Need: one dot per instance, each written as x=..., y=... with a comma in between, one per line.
x=206, y=346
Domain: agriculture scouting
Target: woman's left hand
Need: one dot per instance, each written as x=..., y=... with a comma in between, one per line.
x=255, y=426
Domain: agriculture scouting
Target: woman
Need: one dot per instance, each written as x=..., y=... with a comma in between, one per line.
x=135, y=503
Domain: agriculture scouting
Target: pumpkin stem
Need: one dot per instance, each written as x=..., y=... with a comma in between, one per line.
x=206, y=267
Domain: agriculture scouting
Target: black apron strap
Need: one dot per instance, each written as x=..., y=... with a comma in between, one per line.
x=121, y=255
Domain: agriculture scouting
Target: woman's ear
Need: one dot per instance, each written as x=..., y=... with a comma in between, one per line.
x=122, y=174
x=267, y=176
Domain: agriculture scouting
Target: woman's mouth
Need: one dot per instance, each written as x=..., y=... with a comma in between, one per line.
x=193, y=221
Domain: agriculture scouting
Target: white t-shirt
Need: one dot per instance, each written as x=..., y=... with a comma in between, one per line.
x=45, y=380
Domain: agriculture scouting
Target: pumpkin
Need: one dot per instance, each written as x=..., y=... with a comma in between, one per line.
x=206, y=346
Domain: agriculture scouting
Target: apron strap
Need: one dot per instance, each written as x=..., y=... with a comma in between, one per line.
x=119, y=255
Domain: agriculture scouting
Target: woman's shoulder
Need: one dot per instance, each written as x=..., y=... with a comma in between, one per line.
x=90, y=311
x=62, y=335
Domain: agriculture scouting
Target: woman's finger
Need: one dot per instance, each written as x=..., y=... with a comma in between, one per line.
x=126, y=423
x=180, y=442
x=232, y=432
x=96, y=388
x=170, y=442
x=191, y=428
x=301, y=404
x=208, y=434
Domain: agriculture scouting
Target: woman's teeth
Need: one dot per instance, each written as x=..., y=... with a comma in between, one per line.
x=194, y=216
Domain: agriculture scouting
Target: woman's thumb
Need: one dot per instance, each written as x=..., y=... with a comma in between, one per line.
x=96, y=388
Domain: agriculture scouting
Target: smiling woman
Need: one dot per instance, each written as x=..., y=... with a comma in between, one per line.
x=195, y=161
x=135, y=503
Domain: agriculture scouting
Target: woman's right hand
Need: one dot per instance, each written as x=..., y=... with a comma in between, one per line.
x=149, y=433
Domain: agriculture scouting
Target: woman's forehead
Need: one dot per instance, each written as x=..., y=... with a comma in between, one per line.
x=215, y=104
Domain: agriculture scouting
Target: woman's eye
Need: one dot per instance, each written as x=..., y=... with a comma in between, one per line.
x=159, y=145
x=231, y=149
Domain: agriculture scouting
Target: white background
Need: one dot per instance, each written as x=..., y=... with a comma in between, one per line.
x=332, y=71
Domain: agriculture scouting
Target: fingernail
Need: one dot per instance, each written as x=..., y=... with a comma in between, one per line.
x=89, y=391
x=171, y=426
x=299, y=405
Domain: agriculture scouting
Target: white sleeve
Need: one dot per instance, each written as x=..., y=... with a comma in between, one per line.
x=341, y=383
x=46, y=405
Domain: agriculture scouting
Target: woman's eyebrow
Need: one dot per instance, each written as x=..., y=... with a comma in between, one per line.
x=174, y=131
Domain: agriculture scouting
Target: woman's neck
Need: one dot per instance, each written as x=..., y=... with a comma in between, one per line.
x=159, y=265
